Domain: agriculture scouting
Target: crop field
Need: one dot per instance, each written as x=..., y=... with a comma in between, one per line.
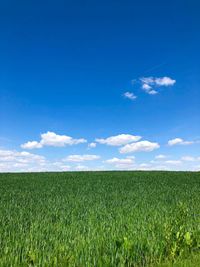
x=88, y=219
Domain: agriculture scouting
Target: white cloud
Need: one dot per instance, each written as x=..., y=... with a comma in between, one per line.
x=149, y=83
x=126, y=160
x=60, y=166
x=179, y=141
x=153, y=92
x=190, y=158
x=145, y=165
x=15, y=161
x=81, y=158
x=173, y=162
x=148, y=89
x=11, y=160
x=184, y=163
x=31, y=145
x=53, y=139
x=12, y=155
x=164, y=81
x=147, y=80
x=23, y=161
x=160, y=156
x=139, y=146
x=81, y=168
x=118, y=140
x=153, y=168
x=92, y=145
x=161, y=81
x=122, y=164
x=169, y=165
x=130, y=95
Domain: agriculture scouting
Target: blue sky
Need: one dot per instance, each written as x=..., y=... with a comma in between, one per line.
x=123, y=75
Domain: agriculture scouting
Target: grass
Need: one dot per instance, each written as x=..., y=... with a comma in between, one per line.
x=100, y=219
x=192, y=261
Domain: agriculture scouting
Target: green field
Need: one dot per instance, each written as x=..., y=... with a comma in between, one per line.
x=100, y=219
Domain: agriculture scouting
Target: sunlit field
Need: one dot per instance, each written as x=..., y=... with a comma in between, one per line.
x=100, y=219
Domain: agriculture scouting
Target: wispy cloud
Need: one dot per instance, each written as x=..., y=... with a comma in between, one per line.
x=130, y=95
x=161, y=156
x=179, y=141
x=173, y=162
x=190, y=158
x=81, y=158
x=92, y=145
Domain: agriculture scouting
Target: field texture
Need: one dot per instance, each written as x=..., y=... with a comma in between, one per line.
x=99, y=219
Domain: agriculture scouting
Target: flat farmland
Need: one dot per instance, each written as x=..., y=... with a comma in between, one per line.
x=100, y=219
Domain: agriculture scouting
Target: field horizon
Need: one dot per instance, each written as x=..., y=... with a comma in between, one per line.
x=100, y=171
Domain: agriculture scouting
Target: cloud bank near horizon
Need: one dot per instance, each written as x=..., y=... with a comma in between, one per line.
x=131, y=144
